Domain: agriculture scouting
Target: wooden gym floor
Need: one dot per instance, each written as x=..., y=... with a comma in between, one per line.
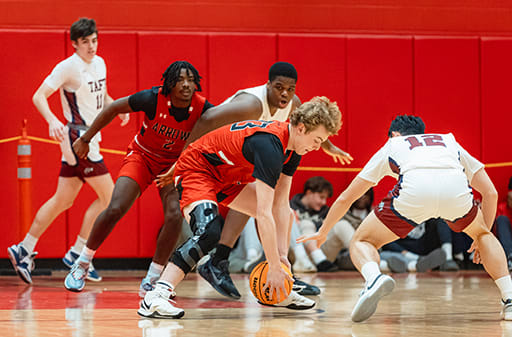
x=431, y=304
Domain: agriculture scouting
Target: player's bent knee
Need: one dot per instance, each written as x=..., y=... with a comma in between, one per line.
x=207, y=225
x=173, y=217
x=114, y=214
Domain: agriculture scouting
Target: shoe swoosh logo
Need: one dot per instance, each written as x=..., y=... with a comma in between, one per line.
x=378, y=277
x=215, y=277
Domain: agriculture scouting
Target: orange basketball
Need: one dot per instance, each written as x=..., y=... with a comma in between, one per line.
x=257, y=281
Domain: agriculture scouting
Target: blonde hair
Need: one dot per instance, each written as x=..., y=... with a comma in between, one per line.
x=318, y=111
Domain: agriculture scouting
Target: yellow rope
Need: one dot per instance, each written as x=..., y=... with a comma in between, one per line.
x=499, y=164
x=329, y=169
x=49, y=141
x=43, y=140
x=7, y=140
x=300, y=168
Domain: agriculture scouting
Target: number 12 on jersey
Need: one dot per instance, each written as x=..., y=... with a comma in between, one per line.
x=425, y=140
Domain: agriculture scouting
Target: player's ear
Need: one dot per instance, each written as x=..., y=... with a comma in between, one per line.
x=302, y=128
x=395, y=134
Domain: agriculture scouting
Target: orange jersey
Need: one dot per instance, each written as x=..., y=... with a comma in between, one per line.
x=222, y=155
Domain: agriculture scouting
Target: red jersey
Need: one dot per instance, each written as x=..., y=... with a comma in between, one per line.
x=222, y=155
x=163, y=136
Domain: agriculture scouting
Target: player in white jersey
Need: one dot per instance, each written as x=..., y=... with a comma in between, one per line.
x=274, y=100
x=82, y=82
x=434, y=174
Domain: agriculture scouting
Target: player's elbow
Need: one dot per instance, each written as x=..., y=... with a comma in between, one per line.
x=490, y=194
x=345, y=199
x=36, y=98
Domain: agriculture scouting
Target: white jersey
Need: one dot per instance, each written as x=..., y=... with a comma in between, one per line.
x=401, y=155
x=433, y=173
x=82, y=87
x=260, y=92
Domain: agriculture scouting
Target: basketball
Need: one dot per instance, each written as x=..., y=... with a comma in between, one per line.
x=257, y=281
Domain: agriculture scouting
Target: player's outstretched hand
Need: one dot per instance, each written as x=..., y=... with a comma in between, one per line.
x=165, y=179
x=318, y=237
x=338, y=155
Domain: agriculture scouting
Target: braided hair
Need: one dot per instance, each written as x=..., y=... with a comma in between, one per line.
x=172, y=74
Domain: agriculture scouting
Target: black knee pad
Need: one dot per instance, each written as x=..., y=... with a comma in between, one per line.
x=206, y=223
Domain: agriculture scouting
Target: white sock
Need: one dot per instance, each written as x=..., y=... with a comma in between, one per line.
x=505, y=285
x=163, y=285
x=370, y=271
x=155, y=269
x=252, y=253
x=29, y=243
x=411, y=266
x=459, y=256
x=318, y=256
x=411, y=256
x=447, y=247
x=79, y=244
x=384, y=266
x=86, y=255
x=300, y=252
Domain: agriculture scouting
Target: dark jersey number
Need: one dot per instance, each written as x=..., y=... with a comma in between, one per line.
x=249, y=124
x=99, y=101
x=426, y=140
x=168, y=145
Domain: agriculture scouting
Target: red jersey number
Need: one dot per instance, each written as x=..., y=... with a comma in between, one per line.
x=427, y=140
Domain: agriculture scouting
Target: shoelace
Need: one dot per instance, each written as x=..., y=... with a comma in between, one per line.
x=78, y=272
x=167, y=293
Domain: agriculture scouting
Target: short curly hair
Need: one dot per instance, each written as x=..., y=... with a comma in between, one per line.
x=318, y=111
x=407, y=125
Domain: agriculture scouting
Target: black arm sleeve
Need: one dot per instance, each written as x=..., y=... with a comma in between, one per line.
x=145, y=100
x=265, y=152
x=291, y=166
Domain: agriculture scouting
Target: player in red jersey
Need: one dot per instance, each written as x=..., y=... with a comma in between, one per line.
x=247, y=166
x=170, y=113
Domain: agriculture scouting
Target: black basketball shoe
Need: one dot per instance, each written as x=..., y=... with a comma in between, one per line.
x=218, y=277
x=303, y=288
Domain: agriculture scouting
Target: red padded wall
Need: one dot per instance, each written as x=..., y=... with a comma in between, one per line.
x=21, y=77
x=379, y=85
x=496, y=54
x=321, y=68
x=447, y=87
x=299, y=16
x=238, y=61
